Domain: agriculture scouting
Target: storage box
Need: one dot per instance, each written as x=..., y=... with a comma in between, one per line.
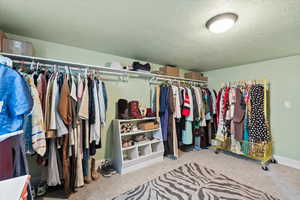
x=148, y=125
x=2, y=37
x=203, y=78
x=18, y=47
x=195, y=76
x=170, y=71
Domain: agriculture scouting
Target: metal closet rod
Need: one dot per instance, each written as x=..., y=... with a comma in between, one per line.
x=183, y=81
x=63, y=67
x=107, y=70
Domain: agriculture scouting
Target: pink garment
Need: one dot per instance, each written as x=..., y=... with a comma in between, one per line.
x=80, y=89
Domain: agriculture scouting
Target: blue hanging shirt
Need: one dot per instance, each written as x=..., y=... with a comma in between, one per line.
x=15, y=102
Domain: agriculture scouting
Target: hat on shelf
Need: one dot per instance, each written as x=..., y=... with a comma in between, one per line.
x=137, y=66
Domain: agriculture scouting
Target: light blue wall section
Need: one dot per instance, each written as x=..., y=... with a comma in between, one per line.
x=284, y=76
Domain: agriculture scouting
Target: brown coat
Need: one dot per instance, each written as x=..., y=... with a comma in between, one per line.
x=64, y=102
x=239, y=115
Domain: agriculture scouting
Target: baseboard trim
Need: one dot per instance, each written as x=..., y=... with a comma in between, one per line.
x=288, y=162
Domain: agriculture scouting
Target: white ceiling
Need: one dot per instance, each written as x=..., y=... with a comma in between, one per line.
x=162, y=31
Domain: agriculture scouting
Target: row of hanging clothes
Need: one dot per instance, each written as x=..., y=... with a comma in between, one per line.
x=63, y=131
x=15, y=103
x=187, y=114
x=242, y=117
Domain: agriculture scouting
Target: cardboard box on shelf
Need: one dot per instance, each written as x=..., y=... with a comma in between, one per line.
x=18, y=47
x=2, y=37
x=195, y=76
x=170, y=71
x=203, y=78
x=148, y=126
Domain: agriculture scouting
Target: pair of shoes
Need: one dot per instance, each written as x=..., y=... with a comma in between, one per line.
x=126, y=127
x=122, y=109
x=134, y=110
x=139, y=138
x=149, y=113
x=127, y=143
x=41, y=190
x=107, y=169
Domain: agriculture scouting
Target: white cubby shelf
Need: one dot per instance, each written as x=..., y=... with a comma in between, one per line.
x=140, y=154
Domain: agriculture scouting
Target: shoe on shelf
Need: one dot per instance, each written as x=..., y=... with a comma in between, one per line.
x=140, y=138
x=124, y=144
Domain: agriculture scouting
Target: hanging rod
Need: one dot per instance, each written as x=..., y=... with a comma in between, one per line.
x=52, y=62
x=60, y=66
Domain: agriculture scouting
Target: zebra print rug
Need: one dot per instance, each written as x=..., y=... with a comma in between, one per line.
x=193, y=182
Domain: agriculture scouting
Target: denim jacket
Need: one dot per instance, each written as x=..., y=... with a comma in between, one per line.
x=15, y=102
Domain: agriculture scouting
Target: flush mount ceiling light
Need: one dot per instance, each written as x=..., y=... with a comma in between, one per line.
x=221, y=23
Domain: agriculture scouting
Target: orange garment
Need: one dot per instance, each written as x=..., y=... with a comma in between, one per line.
x=64, y=104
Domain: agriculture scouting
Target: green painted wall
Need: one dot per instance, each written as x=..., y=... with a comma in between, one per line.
x=134, y=89
x=284, y=75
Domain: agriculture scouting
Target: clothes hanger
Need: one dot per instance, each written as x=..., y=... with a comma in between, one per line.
x=32, y=66
x=22, y=67
x=85, y=73
x=30, y=69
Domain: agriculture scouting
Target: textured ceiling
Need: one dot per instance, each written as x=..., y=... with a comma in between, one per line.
x=162, y=31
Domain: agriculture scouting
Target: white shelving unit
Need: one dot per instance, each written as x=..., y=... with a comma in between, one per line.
x=141, y=154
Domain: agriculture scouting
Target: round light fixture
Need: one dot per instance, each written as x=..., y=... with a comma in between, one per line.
x=222, y=22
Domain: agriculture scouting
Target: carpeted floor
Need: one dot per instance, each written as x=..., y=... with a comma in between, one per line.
x=193, y=182
x=281, y=181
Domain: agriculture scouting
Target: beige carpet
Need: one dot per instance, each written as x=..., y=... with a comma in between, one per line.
x=194, y=182
x=281, y=181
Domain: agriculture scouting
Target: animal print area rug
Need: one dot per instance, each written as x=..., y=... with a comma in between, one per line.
x=193, y=182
